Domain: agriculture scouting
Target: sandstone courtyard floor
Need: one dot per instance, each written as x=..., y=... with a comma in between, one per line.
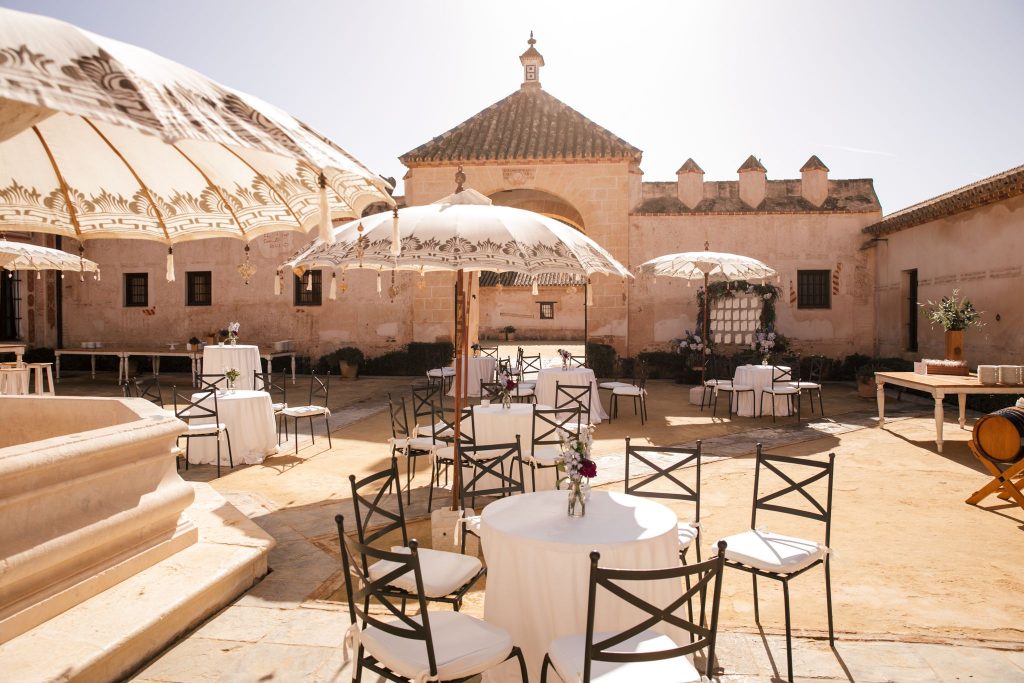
x=925, y=587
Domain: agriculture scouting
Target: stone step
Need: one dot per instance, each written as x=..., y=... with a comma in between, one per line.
x=110, y=635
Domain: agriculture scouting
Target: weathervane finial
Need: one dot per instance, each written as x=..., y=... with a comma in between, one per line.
x=460, y=178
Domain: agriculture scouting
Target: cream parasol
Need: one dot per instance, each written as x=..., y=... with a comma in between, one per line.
x=101, y=139
x=462, y=232
x=24, y=256
x=707, y=266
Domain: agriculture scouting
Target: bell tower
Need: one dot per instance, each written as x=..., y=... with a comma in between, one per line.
x=532, y=61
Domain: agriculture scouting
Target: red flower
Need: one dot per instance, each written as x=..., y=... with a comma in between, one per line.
x=510, y=385
x=588, y=468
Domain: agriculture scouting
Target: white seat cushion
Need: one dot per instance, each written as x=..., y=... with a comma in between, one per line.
x=629, y=390
x=805, y=385
x=441, y=372
x=305, y=411
x=567, y=657
x=417, y=443
x=472, y=524
x=718, y=383
x=772, y=552
x=612, y=385
x=443, y=572
x=208, y=428
x=528, y=384
x=463, y=646
x=687, y=534
x=521, y=391
x=278, y=407
x=737, y=387
x=781, y=389
x=546, y=454
x=445, y=452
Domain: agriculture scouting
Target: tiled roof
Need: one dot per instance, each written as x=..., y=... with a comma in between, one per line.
x=814, y=164
x=781, y=196
x=751, y=164
x=689, y=166
x=528, y=124
x=491, y=279
x=985, y=191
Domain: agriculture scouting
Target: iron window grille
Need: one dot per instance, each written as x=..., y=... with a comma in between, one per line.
x=136, y=290
x=814, y=289
x=10, y=305
x=309, y=297
x=547, y=310
x=199, y=288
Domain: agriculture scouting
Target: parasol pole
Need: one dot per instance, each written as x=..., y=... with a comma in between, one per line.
x=461, y=337
x=703, y=361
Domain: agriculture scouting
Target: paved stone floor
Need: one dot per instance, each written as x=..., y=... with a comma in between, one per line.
x=290, y=626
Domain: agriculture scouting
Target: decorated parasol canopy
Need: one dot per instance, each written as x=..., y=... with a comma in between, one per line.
x=24, y=256
x=101, y=139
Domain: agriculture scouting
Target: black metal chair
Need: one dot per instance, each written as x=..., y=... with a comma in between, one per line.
x=782, y=387
x=197, y=406
x=444, y=456
x=489, y=351
x=426, y=400
x=149, y=389
x=530, y=365
x=490, y=391
x=404, y=441
x=637, y=391
x=488, y=478
x=641, y=653
x=575, y=396
x=264, y=381
x=546, y=444
x=446, y=575
x=410, y=646
x=649, y=484
x=319, y=390
x=577, y=361
x=783, y=558
x=208, y=381
x=812, y=383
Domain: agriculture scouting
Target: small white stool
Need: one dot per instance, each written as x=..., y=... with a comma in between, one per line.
x=14, y=381
x=37, y=371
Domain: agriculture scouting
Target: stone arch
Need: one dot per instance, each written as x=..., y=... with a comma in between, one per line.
x=540, y=202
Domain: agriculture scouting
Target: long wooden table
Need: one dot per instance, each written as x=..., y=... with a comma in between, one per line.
x=123, y=354
x=17, y=349
x=938, y=386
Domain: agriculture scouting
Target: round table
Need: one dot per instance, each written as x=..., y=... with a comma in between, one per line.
x=243, y=357
x=759, y=377
x=478, y=368
x=249, y=417
x=548, y=378
x=538, y=565
x=493, y=424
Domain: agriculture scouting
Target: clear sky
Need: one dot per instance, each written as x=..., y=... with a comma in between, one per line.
x=923, y=96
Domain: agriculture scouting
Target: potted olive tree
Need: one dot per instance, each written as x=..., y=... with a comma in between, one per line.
x=349, y=358
x=866, y=380
x=510, y=332
x=955, y=315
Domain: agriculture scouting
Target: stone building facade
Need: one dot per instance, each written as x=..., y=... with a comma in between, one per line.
x=840, y=279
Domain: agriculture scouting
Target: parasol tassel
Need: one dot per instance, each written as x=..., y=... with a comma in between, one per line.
x=170, y=264
x=39, y=274
x=309, y=283
x=334, y=288
x=98, y=278
x=590, y=294
x=379, y=290
x=326, y=232
x=277, y=283
x=533, y=290
x=396, y=242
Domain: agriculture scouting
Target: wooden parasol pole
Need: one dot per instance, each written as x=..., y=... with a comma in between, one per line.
x=707, y=297
x=461, y=367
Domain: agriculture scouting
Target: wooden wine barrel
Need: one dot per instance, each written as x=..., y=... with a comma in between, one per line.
x=1000, y=435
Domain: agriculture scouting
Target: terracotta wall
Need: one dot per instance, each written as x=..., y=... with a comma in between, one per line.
x=519, y=308
x=981, y=253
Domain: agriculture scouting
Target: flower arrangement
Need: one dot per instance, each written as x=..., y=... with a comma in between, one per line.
x=566, y=356
x=577, y=465
x=953, y=313
x=232, y=376
x=763, y=344
x=694, y=343
x=233, y=329
x=506, y=385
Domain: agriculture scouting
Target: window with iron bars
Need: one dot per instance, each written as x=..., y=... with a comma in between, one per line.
x=814, y=289
x=199, y=288
x=136, y=290
x=305, y=296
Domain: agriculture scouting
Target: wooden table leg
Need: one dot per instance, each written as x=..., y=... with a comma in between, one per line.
x=880, y=396
x=939, y=416
x=962, y=400
x=57, y=359
x=293, y=369
x=92, y=362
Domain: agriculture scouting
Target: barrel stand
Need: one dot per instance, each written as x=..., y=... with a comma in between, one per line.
x=1003, y=479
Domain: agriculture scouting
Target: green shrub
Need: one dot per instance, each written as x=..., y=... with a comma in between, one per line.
x=425, y=356
x=392, y=363
x=601, y=359
x=329, y=362
x=41, y=354
x=665, y=365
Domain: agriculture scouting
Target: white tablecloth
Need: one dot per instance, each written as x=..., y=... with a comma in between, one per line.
x=495, y=424
x=249, y=417
x=759, y=377
x=244, y=357
x=478, y=368
x=548, y=378
x=538, y=565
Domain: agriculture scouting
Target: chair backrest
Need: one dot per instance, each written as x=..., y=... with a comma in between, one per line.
x=577, y=361
x=497, y=470
x=424, y=396
x=640, y=373
x=367, y=500
x=489, y=351
x=264, y=381
x=530, y=364
x=127, y=390
x=149, y=389
x=362, y=591
x=443, y=424
x=491, y=390
x=319, y=390
x=816, y=369
x=796, y=475
x=201, y=403
x=549, y=425
x=399, y=417
x=719, y=367
x=650, y=485
x=615, y=583
x=574, y=396
x=210, y=381
x=503, y=366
